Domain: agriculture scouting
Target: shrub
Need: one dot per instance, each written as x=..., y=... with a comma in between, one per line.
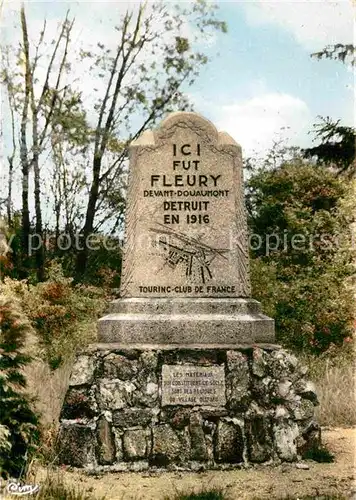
x=63, y=315
x=5, y=445
x=319, y=454
x=18, y=422
x=103, y=266
x=304, y=287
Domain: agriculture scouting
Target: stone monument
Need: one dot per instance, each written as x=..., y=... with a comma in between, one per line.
x=185, y=277
x=186, y=373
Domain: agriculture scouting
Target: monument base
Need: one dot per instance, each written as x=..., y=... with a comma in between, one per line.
x=206, y=321
x=134, y=407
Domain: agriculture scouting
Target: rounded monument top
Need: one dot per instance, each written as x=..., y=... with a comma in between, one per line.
x=186, y=120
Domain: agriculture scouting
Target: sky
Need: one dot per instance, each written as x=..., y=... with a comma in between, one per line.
x=261, y=83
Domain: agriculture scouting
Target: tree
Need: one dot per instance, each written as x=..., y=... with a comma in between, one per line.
x=12, y=154
x=82, y=139
x=69, y=147
x=35, y=105
x=302, y=255
x=144, y=77
x=337, y=142
x=339, y=52
x=18, y=422
x=337, y=146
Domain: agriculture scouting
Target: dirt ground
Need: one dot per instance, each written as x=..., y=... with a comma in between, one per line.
x=260, y=482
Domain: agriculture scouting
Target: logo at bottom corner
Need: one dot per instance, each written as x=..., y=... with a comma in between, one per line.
x=18, y=489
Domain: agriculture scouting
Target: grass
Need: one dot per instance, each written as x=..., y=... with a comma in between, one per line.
x=314, y=497
x=334, y=377
x=219, y=495
x=214, y=494
x=309, y=497
x=54, y=488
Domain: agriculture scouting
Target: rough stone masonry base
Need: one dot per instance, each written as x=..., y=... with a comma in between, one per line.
x=113, y=419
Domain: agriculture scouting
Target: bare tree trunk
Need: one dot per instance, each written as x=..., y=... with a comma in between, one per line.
x=29, y=91
x=9, y=192
x=82, y=258
x=11, y=157
x=38, y=136
x=102, y=134
x=39, y=255
x=23, y=145
x=39, y=230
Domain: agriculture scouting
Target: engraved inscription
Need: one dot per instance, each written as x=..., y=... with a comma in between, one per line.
x=186, y=231
x=193, y=385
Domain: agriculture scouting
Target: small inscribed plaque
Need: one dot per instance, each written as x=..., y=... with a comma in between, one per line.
x=193, y=385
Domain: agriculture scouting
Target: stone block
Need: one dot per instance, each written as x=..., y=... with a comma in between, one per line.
x=83, y=370
x=76, y=445
x=214, y=414
x=195, y=356
x=117, y=366
x=177, y=417
x=259, y=363
x=283, y=365
x=302, y=409
x=263, y=390
x=106, y=445
x=199, y=450
x=306, y=389
x=229, y=444
x=145, y=395
x=285, y=438
x=188, y=329
x=135, y=444
x=132, y=417
x=169, y=446
x=118, y=433
x=237, y=380
x=281, y=413
x=148, y=362
x=258, y=430
x=79, y=403
x=114, y=394
x=309, y=438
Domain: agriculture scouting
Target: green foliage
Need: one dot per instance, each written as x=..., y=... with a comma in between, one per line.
x=5, y=445
x=63, y=315
x=14, y=262
x=301, y=223
x=158, y=54
x=338, y=52
x=336, y=147
x=104, y=260
x=18, y=422
x=319, y=454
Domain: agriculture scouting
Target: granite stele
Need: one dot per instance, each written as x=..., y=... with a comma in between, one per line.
x=185, y=277
x=186, y=373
